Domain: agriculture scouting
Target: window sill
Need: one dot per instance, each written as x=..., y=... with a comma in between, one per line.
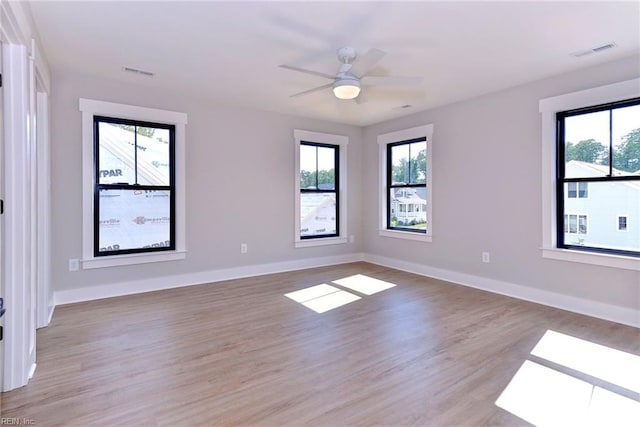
x=320, y=242
x=407, y=235
x=605, y=260
x=117, y=260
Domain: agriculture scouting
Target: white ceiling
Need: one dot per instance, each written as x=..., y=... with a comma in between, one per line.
x=229, y=52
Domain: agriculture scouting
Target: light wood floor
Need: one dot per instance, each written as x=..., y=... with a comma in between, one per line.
x=424, y=352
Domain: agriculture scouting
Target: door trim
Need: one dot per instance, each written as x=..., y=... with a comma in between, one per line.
x=18, y=361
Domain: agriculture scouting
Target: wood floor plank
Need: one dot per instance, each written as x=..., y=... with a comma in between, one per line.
x=424, y=352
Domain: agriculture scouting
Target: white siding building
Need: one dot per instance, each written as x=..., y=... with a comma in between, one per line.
x=603, y=214
x=409, y=206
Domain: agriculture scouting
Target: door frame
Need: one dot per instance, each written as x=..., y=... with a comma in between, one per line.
x=25, y=273
x=19, y=361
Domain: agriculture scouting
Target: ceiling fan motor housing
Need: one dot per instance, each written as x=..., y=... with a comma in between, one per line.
x=346, y=55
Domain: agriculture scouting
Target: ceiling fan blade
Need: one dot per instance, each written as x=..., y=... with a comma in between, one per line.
x=315, y=73
x=390, y=81
x=315, y=89
x=363, y=64
x=361, y=98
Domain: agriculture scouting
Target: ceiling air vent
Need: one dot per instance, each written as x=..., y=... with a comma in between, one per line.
x=136, y=71
x=603, y=47
x=597, y=49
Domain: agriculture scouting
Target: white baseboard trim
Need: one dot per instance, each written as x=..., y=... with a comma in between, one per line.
x=623, y=315
x=52, y=308
x=159, y=283
x=614, y=313
x=32, y=370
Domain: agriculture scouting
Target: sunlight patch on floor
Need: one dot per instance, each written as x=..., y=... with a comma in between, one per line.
x=547, y=397
x=322, y=298
x=364, y=284
x=605, y=363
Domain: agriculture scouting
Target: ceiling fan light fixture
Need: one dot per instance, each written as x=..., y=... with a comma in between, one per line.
x=346, y=88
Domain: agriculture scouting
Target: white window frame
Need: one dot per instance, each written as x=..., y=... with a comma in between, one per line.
x=548, y=108
x=383, y=141
x=342, y=142
x=618, y=222
x=90, y=108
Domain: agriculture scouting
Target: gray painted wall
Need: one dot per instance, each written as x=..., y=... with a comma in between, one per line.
x=239, y=183
x=487, y=191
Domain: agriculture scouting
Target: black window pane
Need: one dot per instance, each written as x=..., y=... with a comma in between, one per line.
x=610, y=206
x=400, y=164
x=409, y=207
x=586, y=139
x=418, y=168
x=116, y=154
x=133, y=219
x=625, y=129
x=308, y=165
x=318, y=215
x=153, y=156
x=326, y=168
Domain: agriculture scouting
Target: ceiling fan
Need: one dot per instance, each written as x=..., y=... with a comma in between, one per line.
x=353, y=74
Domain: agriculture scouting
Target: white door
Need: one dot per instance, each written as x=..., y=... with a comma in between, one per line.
x=18, y=221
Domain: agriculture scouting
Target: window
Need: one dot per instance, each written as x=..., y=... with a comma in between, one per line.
x=600, y=148
x=133, y=184
x=622, y=223
x=604, y=246
x=575, y=224
x=406, y=184
x=320, y=186
x=577, y=190
x=134, y=192
x=583, y=190
x=319, y=189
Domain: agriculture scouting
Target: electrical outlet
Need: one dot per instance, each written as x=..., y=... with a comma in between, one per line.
x=74, y=264
x=352, y=238
x=243, y=248
x=486, y=257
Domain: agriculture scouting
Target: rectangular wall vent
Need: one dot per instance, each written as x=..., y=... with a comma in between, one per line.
x=136, y=71
x=597, y=49
x=603, y=47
